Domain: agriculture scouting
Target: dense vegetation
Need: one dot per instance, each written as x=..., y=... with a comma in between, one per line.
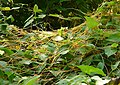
x=87, y=54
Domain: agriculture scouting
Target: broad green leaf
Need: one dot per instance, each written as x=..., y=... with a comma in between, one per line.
x=91, y=70
x=3, y=64
x=114, y=45
x=8, y=51
x=115, y=37
x=109, y=51
x=113, y=67
x=91, y=22
x=31, y=81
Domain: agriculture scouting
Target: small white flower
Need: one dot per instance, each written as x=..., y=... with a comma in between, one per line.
x=58, y=38
x=1, y=52
x=99, y=80
x=83, y=84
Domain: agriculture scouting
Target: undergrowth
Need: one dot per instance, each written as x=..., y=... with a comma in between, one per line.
x=84, y=55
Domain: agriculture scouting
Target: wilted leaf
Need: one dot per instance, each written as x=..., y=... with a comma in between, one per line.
x=91, y=70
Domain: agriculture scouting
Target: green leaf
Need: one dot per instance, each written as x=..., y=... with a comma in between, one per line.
x=115, y=37
x=63, y=82
x=91, y=22
x=113, y=67
x=109, y=51
x=5, y=9
x=35, y=9
x=29, y=22
x=64, y=52
x=63, y=0
x=8, y=51
x=100, y=65
x=3, y=64
x=114, y=45
x=31, y=81
x=91, y=70
x=3, y=27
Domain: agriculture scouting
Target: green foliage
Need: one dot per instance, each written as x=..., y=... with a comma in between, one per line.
x=91, y=70
x=89, y=55
x=69, y=12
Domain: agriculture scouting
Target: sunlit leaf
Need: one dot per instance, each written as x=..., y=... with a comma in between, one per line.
x=91, y=70
x=114, y=45
x=91, y=22
x=35, y=9
x=5, y=8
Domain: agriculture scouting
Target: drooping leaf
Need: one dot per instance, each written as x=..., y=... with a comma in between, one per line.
x=91, y=70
